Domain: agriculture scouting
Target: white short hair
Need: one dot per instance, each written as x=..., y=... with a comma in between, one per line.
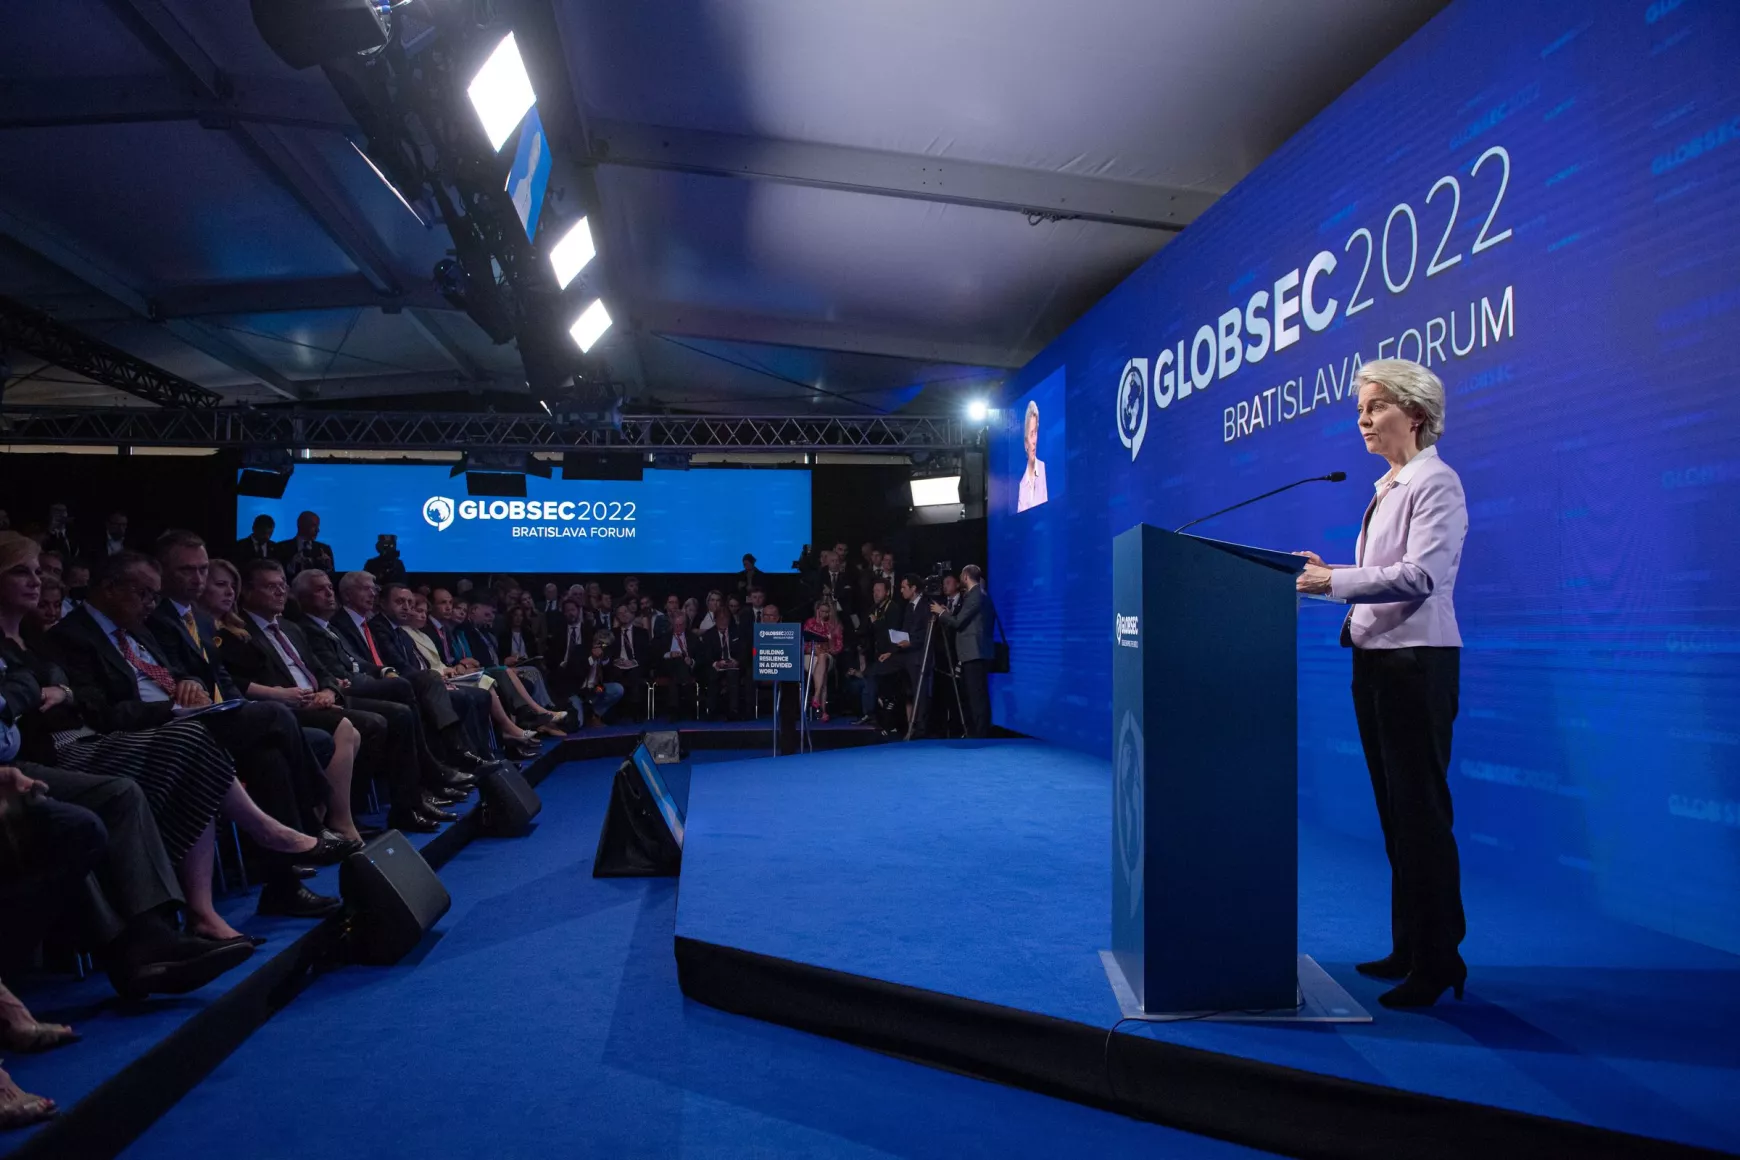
x=351, y=581
x=1415, y=389
x=1032, y=412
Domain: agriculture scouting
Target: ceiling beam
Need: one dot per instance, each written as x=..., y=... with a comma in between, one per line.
x=303, y=175
x=916, y=176
x=728, y=326
x=430, y=328
x=268, y=296
x=56, y=102
x=47, y=245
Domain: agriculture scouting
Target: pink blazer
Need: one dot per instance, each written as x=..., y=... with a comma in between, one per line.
x=1409, y=550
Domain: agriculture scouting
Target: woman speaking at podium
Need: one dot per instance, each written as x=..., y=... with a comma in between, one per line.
x=1407, y=656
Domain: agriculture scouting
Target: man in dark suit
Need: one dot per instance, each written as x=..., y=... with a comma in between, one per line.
x=305, y=550
x=420, y=688
x=276, y=663
x=750, y=577
x=724, y=661
x=881, y=654
x=112, y=539
x=915, y=660
x=186, y=632
x=257, y=545
x=631, y=659
x=972, y=622
x=679, y=654
x=120, y=680
x=59, y=535
x=408, y=615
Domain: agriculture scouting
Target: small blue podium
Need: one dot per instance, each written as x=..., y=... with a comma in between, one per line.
x=1205, y=759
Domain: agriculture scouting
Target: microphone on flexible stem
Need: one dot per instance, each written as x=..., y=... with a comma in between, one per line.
x=1332, y=477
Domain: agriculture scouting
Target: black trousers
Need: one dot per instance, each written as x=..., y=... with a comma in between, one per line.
x=1405, y=700
x=273, y=761
x=47, y=853
x=975, y=683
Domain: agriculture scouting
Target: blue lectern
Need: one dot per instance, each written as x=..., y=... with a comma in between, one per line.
x=1205, y=756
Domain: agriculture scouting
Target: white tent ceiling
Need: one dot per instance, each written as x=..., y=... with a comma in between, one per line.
x=877, y=206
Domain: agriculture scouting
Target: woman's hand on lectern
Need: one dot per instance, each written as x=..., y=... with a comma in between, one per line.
x=1313, y=557
x=1314, y=580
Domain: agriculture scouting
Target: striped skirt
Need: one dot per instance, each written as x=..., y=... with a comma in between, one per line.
x=184, y=773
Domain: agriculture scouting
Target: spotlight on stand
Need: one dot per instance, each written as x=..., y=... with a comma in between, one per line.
x=978, y=411
x=591, y=324
x=936, y=491
x=501, y=92
x=569, y=256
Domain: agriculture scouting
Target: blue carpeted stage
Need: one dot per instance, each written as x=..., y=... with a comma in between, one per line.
x=948, y=900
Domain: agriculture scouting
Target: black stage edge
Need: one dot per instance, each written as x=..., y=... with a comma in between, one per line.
x=1260, y=1105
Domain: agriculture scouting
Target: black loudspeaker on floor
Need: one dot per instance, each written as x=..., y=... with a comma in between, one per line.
x=509, y=801
x=392, y=897
x=635, y=841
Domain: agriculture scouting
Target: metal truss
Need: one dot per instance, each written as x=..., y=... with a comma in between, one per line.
x=55, y=342
x=462, y=431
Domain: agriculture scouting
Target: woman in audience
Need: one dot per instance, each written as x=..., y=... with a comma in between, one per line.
x=515, y=640
x=187, y=777
x=218, y=598
x=821, y=654
x=715, y=609
x=692, y=610
x=48, y=607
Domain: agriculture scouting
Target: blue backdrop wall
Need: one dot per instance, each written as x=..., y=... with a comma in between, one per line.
x=1538, y=201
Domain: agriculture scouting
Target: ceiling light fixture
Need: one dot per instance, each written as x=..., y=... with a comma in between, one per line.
x=592, y=323
x=569, y=256
x=501, y=92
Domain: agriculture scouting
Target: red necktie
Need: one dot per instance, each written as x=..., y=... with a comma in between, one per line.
x=369, y=639
x=158, y=674
x=284, y=643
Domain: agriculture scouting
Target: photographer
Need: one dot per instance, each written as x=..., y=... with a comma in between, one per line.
x=972, y=626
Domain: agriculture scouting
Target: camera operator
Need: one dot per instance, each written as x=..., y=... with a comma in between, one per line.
x=386, y=565
x=972, y=626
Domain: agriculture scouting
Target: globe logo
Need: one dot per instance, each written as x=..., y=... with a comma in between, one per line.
x=1133, y=405
x=438, y=512
x=1127, y=807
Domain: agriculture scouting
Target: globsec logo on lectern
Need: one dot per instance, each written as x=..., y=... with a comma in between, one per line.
x=1128, y=630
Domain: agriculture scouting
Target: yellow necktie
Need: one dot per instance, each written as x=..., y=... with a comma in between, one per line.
x=193, y=631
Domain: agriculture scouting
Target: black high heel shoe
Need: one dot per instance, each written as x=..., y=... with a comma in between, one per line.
x=1391, y=966
x=1423, y=988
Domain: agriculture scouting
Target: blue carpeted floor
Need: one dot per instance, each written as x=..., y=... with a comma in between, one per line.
x=543, y=1018
x=982, y=870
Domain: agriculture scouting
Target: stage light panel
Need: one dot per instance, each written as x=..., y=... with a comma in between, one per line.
x=569, y=256
x=978, y=411
x=933, y=492
x=592, y=323
x=501, y=92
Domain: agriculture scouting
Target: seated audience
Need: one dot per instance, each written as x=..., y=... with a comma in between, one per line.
x=593, y=686
x=631, y=658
